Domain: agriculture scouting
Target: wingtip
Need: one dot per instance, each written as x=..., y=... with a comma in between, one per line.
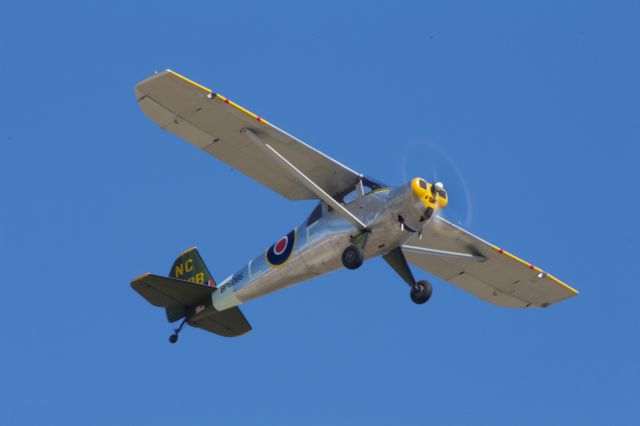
x=185, y=79
x=536, y=269
x=563, y=284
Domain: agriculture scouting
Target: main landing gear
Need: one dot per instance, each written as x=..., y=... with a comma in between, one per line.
x=421, y=292
x=352, y=257
x=174, y=337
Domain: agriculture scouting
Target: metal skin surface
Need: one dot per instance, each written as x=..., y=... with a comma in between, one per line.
x=319, y=245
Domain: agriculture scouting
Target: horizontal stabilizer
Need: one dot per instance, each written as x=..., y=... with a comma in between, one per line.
x=170, y=292
x=178, y=295
x=228, y=323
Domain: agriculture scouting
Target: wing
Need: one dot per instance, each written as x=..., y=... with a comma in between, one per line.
x=501, y=278
x=212, y=123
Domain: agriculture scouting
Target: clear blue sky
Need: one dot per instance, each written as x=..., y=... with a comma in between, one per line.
x=535, y=103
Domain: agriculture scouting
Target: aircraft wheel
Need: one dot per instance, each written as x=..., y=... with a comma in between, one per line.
x=421, y=292
x=173, y=338
x=352, y=257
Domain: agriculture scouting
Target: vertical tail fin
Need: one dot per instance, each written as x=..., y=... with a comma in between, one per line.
x=189, y=266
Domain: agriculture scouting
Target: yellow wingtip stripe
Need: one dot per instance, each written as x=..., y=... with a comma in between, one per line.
x=568, y=287
x=181, y=77
x=219, y=96
x=535, y=268
x=238, y=107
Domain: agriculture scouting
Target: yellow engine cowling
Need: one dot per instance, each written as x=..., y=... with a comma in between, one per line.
x=429, y=194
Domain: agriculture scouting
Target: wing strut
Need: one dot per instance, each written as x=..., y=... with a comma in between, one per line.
x=444, y=253
x=303, y=179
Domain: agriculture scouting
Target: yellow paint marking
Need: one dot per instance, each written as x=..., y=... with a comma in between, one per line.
x=219, y=96
x=238, y=107
x=181, y=77
x=535, y=268
x=557, y=281
x=179, y=271
x=188, y=265
x=198, y=279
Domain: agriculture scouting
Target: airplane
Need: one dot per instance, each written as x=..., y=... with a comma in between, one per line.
x=356, y=218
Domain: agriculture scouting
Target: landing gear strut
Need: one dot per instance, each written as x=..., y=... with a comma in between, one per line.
x=421, y=292
x=174, y=337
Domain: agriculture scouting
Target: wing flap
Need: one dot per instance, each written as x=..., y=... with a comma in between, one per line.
x=212, y=123
x=503, y=279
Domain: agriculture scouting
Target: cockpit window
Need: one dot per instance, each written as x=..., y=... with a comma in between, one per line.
x=422, y=184
x=369, y=186
x=315, y=215
x=350, y=196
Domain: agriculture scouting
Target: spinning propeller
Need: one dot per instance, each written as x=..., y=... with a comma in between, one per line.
x=418, y=156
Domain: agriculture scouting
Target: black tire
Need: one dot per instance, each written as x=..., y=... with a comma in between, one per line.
x=352, y=257
x=173, y=338
x=421, y=292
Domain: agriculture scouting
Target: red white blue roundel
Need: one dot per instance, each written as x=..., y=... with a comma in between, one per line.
x=278, y=253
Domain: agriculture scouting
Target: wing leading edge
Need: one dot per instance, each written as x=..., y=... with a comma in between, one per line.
x=213, y=123
x=501, y=278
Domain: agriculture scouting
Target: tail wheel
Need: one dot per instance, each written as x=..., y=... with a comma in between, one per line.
x=421, y=292
x=352, y=257
x=174, y=337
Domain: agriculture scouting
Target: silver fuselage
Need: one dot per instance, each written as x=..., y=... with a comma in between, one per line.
x=318, y=246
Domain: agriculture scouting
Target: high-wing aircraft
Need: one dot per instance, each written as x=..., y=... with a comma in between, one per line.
x=356, y=218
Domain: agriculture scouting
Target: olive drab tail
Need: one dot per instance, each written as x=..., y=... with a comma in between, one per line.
x=189, y=266
x=186, y=294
